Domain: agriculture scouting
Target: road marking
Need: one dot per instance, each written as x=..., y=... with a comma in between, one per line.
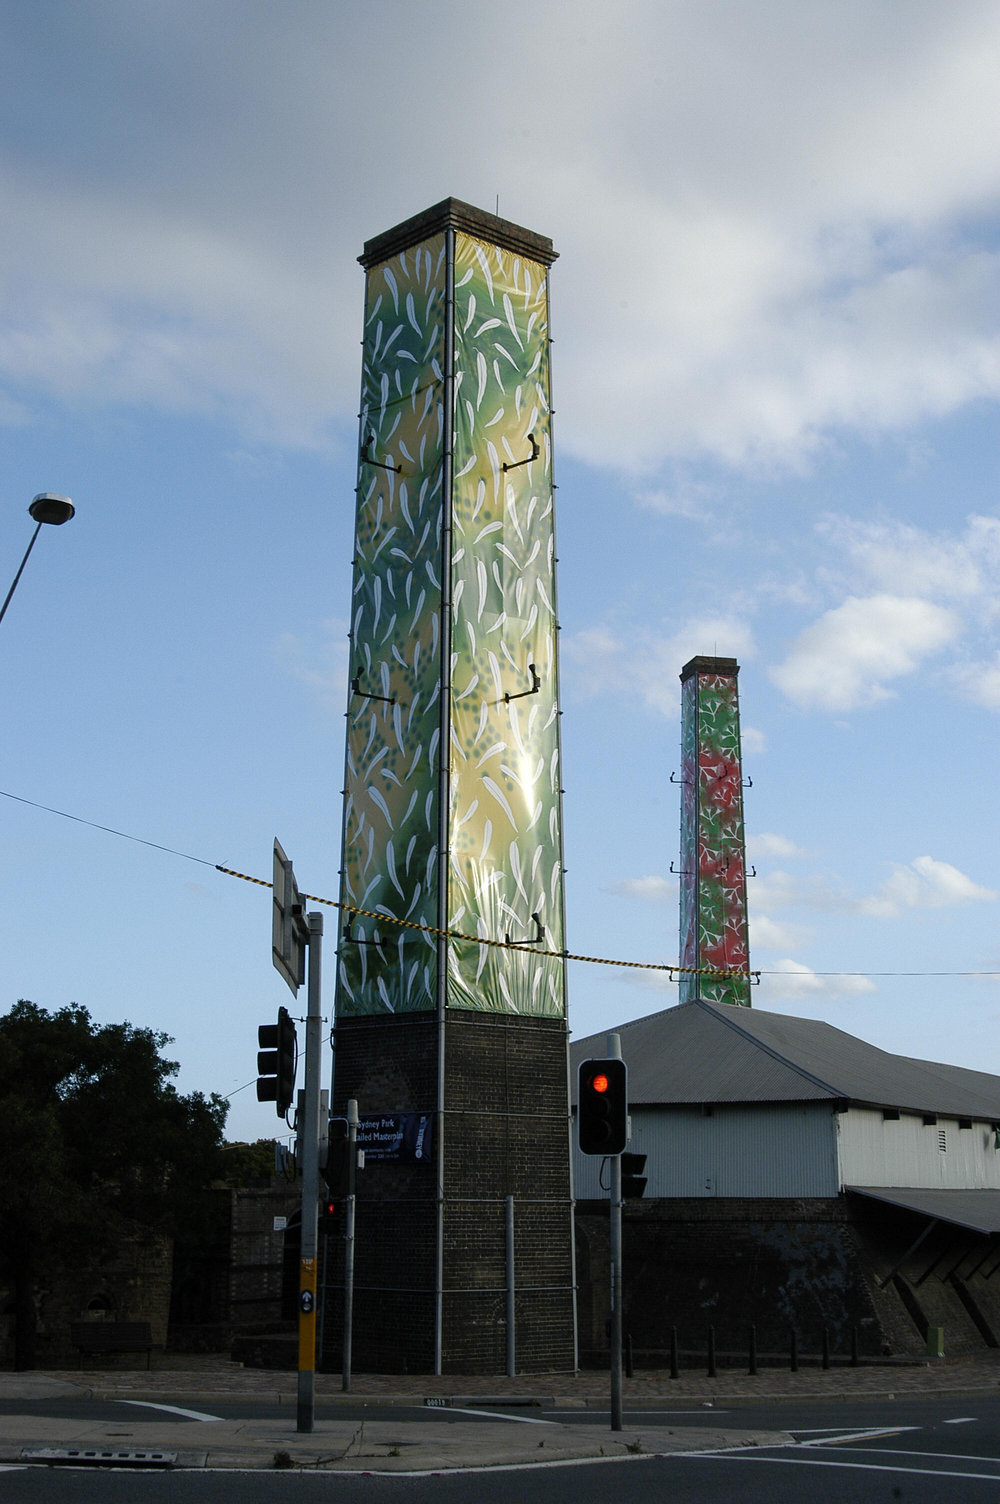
x=173, y=1409
x=961, y=1420
x=863, y=1467
x=849, y=1436
x=526, y=1420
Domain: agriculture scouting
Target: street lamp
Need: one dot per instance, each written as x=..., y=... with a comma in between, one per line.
x=47, y=507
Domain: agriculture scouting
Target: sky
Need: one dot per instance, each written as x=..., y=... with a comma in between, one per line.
x=776, y=369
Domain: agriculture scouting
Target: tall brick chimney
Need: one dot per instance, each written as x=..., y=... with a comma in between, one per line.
x=713, y=920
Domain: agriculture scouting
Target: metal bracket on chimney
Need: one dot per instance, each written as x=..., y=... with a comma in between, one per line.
x=366, y=458
x=366, y=694
x=516, y=464
x=537, y=939
x=536, y=685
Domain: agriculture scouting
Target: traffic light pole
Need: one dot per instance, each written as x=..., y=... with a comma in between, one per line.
x=310, y=1181
x=352, y=1169
x=614, y=1050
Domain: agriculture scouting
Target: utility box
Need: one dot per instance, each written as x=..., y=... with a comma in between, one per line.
x=935, y=1342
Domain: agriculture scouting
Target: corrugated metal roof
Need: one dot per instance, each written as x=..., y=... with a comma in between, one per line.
x=979, y=1210
x=713, y=1052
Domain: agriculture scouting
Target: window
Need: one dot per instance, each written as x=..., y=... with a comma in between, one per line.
x=890, y=1114
x=965, y=1122
x=930, y=1119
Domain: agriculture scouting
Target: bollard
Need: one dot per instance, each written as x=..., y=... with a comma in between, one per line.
x=793, y=1351
x=752, y=1359
x=826, y=1348
x=711, y=1352
x=674, y=1363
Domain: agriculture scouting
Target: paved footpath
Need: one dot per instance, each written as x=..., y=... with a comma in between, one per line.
x=455, y=1439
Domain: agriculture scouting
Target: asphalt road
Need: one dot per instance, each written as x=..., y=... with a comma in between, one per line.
x=941, y=1451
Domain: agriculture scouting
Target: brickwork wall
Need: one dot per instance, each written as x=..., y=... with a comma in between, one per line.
x=505, y=1134
x=134, y=1285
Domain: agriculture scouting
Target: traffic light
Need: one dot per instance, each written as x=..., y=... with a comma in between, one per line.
x=276, y=1061
x=337, y=1169
x=633, y=1180
x=603, y=1106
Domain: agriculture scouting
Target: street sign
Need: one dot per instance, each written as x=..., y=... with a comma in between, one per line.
x=289, y=927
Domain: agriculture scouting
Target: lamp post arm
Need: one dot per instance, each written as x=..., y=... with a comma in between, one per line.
x=24, y=561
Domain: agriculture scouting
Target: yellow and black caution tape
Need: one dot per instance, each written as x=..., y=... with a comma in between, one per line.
x=562, y=955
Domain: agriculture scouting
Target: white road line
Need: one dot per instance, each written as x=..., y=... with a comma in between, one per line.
x=915, y=1452
x=848, y=1436
x=863, y=1467
x=173, y=1409
x=961, y=1420
x=526, y=1420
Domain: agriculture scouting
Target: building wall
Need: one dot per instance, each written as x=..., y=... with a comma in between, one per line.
x=908, y=1151
x=773, y=1149
x=779, y=1264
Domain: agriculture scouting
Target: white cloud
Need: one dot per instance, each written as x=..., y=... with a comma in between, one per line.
x=979, y=682
x=913, y=561
x=597, y=661
x=321, y=664
x=769, y=843
x=653, y=889
x=844, y=660
x=770, y=934
x=791, y=981
x=923, y=884
x=183, y=230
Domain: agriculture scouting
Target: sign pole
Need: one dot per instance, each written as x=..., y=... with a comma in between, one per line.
x=310, y=1182
x=614, y=1050
x=352, y=1166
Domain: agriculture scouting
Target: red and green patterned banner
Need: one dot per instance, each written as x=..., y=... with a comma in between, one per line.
x=713, y=849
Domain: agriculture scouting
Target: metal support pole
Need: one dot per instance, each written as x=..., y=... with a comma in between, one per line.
x=614, y=1050
x=27, y=551
x=511, y=1286
x=310, y=1182
x=352, y=1169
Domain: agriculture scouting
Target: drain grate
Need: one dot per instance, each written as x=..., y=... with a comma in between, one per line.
x=98, y=1457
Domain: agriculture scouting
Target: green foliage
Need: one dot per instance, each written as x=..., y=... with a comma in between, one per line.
x=245, y=1164
x=97, y=1139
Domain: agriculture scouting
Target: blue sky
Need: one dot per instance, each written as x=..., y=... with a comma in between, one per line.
x=776, y=364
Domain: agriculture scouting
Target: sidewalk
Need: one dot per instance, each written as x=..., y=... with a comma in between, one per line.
x=454, y=1439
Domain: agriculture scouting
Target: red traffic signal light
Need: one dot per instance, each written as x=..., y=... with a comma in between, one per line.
x=602, y=1106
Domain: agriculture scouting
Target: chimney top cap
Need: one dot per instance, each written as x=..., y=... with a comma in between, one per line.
x=728, y=667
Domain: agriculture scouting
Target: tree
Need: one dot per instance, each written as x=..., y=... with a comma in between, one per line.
x=98, y=1144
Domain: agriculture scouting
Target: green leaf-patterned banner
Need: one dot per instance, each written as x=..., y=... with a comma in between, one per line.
x=503, y=822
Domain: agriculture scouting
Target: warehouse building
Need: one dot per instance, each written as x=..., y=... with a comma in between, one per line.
x=798, y=1179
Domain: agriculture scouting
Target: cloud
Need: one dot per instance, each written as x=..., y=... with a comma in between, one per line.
x=913, y=561
x=768, y=843
x=182, y=232
x=923, y=884
x=844, y=660
x=769, y=934
x=790, y=981
x=653, y=889
x=979, y=682
x=597, y=661
x=320, y=664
